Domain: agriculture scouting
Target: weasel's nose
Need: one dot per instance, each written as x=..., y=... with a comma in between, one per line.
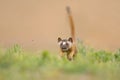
x=64, y=46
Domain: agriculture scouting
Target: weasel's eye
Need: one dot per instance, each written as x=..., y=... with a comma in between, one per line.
x=67, y=44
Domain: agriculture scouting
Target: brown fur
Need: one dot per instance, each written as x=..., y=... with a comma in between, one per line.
x=71, y=52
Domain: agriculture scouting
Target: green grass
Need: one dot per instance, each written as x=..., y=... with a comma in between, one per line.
x=89, y=64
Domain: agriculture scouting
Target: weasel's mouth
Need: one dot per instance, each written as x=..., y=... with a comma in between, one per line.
x=64, y=48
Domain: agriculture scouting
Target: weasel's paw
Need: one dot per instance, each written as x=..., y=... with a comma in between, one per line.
x=70, y=58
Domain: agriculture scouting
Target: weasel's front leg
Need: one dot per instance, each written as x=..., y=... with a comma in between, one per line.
x=61, y=54
x=70, y=56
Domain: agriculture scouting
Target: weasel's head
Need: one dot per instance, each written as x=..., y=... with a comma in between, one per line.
x=65, y=44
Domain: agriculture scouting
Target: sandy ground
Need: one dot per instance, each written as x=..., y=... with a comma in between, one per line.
x=36, y=24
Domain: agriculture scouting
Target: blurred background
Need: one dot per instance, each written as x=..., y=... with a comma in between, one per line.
x=36, y=24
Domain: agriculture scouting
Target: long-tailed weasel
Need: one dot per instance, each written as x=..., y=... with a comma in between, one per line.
x=68, y=45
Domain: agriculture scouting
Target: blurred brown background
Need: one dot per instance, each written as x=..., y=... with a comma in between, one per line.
x=36, y=24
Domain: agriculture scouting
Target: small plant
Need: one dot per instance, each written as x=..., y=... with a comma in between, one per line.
x=117, y=55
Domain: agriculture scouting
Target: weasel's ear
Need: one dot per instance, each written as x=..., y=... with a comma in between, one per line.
x=70, y=39
x=59, y=39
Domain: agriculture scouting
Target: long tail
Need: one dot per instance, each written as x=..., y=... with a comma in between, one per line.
x=71, y=23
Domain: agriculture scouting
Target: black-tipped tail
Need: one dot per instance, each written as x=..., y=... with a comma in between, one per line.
x=68, y=10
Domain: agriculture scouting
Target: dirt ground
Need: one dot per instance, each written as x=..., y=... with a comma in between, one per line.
x=36, y=24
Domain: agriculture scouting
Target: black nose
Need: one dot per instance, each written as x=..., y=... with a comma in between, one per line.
x=64, y=46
